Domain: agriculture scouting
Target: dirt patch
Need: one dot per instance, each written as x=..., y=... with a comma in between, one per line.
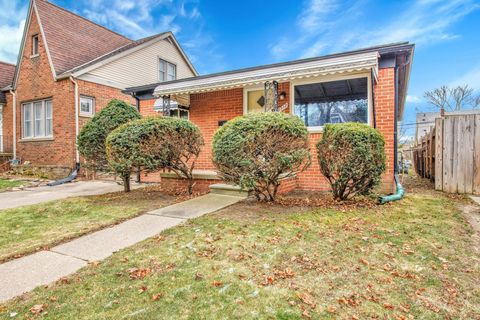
x=250, y=210
x=472, y=213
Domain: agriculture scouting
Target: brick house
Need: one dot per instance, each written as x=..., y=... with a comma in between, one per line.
x=367, y=85
x=7, y=71
x=68, y=68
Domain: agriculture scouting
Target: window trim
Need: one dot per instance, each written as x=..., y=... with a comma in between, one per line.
x=83, y=113
x=35, y=53
x=246, y=90
x=166, y=69
x=319, y=129
x=33, y=120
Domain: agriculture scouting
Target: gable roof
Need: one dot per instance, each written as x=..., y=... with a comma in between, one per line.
x=74, y=43
x=73, y=40
x=127, y=49
x=7, y=72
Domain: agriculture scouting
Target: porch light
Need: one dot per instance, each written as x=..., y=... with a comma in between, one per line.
x=282, y=95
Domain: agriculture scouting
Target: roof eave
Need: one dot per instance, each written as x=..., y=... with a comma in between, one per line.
x=355, y=63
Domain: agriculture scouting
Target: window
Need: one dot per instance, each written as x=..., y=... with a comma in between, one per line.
x=37, y=119
x=332, y=102
x=87, y=106
x=168, y=71
x=180, y=112
x=35, y=45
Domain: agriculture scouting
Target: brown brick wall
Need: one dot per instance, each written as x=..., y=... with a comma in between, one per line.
x=36, y=82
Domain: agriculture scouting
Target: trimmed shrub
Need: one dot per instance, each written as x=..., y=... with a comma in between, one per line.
x=257, y=150
x=155, y=143
x=352, y=158
x=91, y=139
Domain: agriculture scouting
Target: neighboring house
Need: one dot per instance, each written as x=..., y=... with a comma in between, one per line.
x=426, y=121
x=367, y=85
x=69, y=68
x=7, y=71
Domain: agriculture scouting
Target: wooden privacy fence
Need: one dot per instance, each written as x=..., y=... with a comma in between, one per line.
x=450, y=154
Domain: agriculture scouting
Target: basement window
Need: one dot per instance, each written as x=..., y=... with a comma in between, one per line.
x=37, y=120
x=87, y=106
x=35, y=45
x=332, y=102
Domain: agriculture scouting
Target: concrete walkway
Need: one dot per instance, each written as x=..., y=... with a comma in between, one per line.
x=44, y=267
x=14, y=199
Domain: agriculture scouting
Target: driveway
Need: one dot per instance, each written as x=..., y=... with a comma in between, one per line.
x=14, y=199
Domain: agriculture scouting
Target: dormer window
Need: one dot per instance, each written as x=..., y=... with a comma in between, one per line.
x=35, y=45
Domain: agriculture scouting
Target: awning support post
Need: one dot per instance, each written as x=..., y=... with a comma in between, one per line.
x=271, y=96
x=166, y=105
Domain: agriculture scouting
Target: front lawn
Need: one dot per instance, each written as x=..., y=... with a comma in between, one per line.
x=6, y=184
x=413, y=259
x=30, y=228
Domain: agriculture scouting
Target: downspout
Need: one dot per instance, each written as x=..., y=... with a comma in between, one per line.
x=373, y=100
x=400, y=192
x=77, y=154
x=14, y=112
x=137, y=104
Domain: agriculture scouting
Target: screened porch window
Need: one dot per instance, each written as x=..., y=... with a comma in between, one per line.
x=332, y=102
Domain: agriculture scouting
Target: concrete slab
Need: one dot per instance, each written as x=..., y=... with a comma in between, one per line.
x=103, y=243
x=37, y=195
x=24, y=274
x=476, y=199
x=197, y=206
x=41, y=268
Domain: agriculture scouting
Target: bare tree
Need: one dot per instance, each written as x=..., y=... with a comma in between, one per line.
x=453, y=99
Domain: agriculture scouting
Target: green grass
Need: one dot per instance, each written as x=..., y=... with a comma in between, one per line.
x=30, y=228
x=414, y=258
x=7, y=184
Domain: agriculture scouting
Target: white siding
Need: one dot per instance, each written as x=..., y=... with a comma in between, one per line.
x=139, y=67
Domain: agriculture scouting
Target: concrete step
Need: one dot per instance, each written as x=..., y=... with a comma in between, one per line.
x=228, y=190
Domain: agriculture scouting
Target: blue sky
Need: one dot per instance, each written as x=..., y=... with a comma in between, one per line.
x=223, y=35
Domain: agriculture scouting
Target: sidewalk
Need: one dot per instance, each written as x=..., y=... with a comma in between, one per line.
x=29, y=196
x=41, y=268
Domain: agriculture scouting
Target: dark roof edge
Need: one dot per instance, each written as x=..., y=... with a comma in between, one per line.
x=113, y=53
x=382, y=49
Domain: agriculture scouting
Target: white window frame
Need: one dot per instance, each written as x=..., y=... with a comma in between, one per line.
x=35, y=49
x=319, y=129
x=90, y=99
x=165, y=71
x=33, y=121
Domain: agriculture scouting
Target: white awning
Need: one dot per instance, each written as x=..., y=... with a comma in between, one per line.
x=279, y=72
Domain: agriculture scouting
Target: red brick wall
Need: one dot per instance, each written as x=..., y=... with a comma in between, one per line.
x=102, y=94
x=209, y=108
x=385, y=117
x=36, y=82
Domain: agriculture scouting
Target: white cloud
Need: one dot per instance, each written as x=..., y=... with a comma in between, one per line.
x=329, y=26
x=12, y=17
x=413, y=99
x=471, y=78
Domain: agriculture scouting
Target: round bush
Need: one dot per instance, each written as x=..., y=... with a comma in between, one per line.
x=352, y=158
x=91, y=139
x=155, y=143
x=257, y=150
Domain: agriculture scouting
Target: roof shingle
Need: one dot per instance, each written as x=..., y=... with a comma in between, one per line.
x=7, y=72
x=73, y=40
